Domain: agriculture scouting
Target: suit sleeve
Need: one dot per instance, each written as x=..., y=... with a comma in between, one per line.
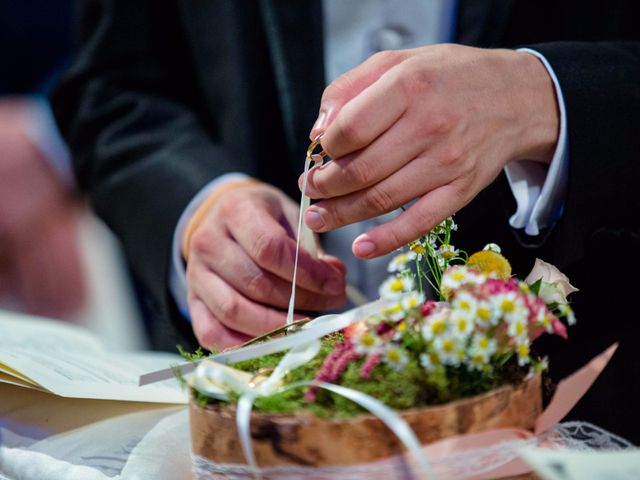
x=601, y=87
x=141, y=148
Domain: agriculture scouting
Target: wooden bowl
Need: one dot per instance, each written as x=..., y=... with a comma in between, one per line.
x=303, y=439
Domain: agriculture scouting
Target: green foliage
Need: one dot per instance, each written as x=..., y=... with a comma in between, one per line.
x=410, y=387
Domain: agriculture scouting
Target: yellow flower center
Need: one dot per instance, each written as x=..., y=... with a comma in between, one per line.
x=367, y=340
x=484, y=343
x=402, y=327
x=519, y=328
x=484, y=313
x=478, y=358
x=393, y=356
x=448, y=346
x=412, y=302
x=458, y=276
x=462, y=324
x=435, y=358
x=523, y=350
x=464, y=305
x=446, y=252
x=417, y=248
x=507, y=305
x=396, y=285
x=438, y=327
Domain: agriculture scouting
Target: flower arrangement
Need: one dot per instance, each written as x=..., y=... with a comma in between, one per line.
x=415, y=352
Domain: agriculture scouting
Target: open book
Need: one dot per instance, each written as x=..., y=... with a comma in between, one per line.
x=69, y=361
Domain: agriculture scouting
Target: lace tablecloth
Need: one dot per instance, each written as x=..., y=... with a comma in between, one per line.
x=155, y=444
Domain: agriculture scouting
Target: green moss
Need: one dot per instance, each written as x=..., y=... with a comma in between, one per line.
x=410, y=387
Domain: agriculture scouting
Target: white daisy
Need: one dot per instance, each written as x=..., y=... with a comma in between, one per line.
x=486, y=314
x=395, y=286
x=413, y=300
x=462, y=323
x=435, y=324
x=518, y=327
x=367, y=343
x=522, y=348
x=482, y=343
x=465, y=304
x=509, y=305
x=399, y=262
x=430, y=361
x=395, y=356
x=450, y=349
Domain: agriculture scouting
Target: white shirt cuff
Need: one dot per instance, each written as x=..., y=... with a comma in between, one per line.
x=177, y=271
x=540, y=192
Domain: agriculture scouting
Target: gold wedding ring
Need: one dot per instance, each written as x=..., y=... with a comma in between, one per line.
x=315, y=144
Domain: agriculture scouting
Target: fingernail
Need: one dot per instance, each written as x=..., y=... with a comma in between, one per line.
x=319, y=125
x=313, y=219
x=363, y=247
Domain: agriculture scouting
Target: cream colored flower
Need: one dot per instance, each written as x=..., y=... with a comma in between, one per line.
x=555, y=285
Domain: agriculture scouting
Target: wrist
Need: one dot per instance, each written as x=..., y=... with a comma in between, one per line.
x=535, y=103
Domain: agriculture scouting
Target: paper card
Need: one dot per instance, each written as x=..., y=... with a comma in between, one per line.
x=562, y=464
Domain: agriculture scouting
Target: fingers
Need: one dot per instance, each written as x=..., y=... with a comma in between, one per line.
x=269, y=245
x=388, y=153
x=365, y=117
x=230, y=307
x=423, y=216
x=349, y=85
x=210, y=333
x=231, y=263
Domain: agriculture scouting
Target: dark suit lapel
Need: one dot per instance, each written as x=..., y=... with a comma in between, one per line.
x=294, y=33
x=482, y=22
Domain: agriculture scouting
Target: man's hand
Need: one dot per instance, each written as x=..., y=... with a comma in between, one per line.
x=40, y=264
x=433, y=124
x=240, y=268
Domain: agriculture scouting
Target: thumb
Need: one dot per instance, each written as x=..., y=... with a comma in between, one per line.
x=349, y=85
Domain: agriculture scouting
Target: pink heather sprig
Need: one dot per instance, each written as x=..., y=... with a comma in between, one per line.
x=369, y=364
x=333, y=366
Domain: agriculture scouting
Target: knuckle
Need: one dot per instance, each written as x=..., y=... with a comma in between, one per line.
x=200, y=242
x=453, y=156
x=352, y=130
x=335, y=216
x=266, y=247
x=378, y=200
x=317, y=183
x=425, y=219
x=415, y=81
x=229, y=308
x=357, y=172
x=207, y=332
x=258, y=286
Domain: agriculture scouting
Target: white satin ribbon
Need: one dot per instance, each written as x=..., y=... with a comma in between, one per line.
x=304, y=204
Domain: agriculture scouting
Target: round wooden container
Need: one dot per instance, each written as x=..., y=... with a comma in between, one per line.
x=304, y=439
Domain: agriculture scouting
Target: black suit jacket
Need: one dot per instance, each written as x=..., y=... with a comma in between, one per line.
x=166, y=95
